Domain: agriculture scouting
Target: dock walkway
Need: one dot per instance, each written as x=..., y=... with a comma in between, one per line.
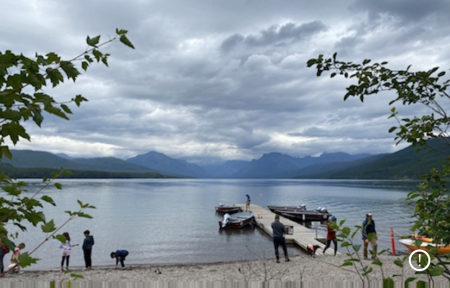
x=302, y=235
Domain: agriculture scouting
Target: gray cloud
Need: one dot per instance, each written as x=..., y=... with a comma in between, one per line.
x=224, y=80
x=275, y=35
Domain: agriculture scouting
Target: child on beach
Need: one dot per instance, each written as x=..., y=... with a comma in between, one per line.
x=120, y=255
x=87, y=249
x=14, y=261
x=67, y=249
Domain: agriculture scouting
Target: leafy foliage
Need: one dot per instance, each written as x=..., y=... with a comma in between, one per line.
x=430, y=88
x=22, y=99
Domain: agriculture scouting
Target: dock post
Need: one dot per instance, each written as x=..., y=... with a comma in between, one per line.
x=392, y=241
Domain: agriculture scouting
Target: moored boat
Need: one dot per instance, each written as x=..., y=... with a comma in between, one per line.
x=228, y=209
x=411, y=245
x=300, y=213
x=237, y=220
x=287, y=208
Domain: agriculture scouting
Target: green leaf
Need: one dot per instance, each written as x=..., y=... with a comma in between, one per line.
x=52, y=58
x=125, y=41
x=97, y=54
x=60, y=238
x=436, y=270
x=105, y=61
x=84, y=65
x=76, y=276
x=347, y=263
x=93, y=41
x=84, y=215
x=311, y=62
x=388, y=283
x=55, y=76
x=421, y=284
x=48, y=199
x=345, y=244
x=121, y=31
x=399, y=263
x=333, y=225
x=356, y=247
x=346, y=231
x=78, y=99
x=66, y=109
x=4, y=151
x=56, y=111
x=367, y=270
x=377, y=262
x=25, y=260
x=14, y=81
x=49, y=227
x=70, y=70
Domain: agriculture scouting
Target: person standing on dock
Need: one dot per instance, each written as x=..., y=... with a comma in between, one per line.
x=247, y=204
x=369, y=234
x=278, y=232
x=331, y=236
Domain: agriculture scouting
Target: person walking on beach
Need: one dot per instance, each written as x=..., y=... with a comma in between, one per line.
x=369, y=234
x=331, y=236
x=247, y=204
x=278, y=232
x=87, y=249
x=67, y=250
x=120, y=255
x=14, y=261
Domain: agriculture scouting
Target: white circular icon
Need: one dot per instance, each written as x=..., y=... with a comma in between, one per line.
x=419, y=251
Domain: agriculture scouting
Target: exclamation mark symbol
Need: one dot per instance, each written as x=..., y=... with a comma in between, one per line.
x=419, y=260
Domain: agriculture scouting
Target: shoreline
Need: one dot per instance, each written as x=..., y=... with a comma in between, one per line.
x=304, y=269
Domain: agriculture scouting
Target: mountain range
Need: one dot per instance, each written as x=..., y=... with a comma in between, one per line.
x=404, y=164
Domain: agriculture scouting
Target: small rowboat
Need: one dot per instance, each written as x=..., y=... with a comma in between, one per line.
x=237, y=220
x=411, y=245
x=287, y=208
x=300, y=213
x=227, y=209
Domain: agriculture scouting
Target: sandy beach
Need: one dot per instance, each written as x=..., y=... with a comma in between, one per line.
x=322, y=270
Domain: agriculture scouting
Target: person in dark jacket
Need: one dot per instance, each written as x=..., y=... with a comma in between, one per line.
x=247, y=203
x=278, y=232
x=120, y=255
x=87, y=249
x=369, y=234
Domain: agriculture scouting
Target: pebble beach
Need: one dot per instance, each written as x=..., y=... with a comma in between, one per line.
x=301, y=271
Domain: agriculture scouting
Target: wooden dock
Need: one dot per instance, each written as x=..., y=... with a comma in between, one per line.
x=302, y=235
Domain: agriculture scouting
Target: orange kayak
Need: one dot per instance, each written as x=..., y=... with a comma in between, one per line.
x=423, y=238
x=411, y=245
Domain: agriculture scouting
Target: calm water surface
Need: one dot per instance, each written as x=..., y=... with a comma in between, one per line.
x=166, y=221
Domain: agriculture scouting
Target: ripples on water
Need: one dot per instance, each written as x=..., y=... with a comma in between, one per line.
x=165, y=221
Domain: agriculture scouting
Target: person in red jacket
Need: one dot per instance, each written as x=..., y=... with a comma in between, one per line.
x=331, y=236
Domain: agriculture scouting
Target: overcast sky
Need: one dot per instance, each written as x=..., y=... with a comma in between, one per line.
x=216, y=80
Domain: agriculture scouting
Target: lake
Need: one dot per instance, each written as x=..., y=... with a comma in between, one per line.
x=168, y=221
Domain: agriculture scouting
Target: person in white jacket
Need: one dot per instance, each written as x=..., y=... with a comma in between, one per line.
x=67, y=249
